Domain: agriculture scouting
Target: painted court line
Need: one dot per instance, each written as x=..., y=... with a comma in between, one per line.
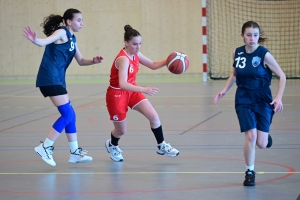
x=200, y=123
x=133, y=173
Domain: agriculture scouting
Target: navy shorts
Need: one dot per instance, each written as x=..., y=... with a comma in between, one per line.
x=53, y=90
x=253, y=109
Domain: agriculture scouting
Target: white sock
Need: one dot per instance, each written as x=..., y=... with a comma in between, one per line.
x=251, y=168
x=73, y=146
x=48, y=142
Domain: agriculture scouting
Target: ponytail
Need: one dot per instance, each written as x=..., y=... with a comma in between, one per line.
x=51, y=23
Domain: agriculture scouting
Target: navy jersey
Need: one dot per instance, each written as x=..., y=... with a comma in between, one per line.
x=56, y=60
x=251, y=72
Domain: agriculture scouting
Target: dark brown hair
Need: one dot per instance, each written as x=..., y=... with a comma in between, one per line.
x=253, y=24
x=130, y=33
x=52, y=22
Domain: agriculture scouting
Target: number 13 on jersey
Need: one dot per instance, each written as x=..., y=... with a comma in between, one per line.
x=240, y=62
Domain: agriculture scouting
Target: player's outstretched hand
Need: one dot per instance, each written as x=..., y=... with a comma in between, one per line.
x=218, y=97
x=29, y=34
x=278, y=106
x=97, y=59
x=150, y=91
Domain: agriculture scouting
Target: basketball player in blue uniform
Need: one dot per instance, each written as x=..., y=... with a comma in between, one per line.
x=60, y=49
x=252, y=71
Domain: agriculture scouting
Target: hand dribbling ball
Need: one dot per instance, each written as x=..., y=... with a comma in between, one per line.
x=178, y=62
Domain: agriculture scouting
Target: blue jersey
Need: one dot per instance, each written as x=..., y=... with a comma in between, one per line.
x=56, y=60
x=251, y=72
x=253, y=95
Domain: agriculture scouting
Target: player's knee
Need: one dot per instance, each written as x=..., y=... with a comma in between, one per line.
x=251, y=137
x=154, y=119
x=67, y=113
x=261, y=145
x=120, y=132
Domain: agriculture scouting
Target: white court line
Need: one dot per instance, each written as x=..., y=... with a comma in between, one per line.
x=135, y=173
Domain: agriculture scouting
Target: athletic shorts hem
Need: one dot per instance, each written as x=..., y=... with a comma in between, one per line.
x=118, y=120
x=138, y=103
x=53, y=90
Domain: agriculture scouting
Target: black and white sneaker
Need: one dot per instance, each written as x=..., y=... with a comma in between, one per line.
x=249, y=178
x=165, y=148
x=79, y=156
x=45, y=153
x=114, y=151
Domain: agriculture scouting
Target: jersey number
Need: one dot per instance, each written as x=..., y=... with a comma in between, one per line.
x=242, y=60
x=131, y=70
x=115, y=117
x=72, y=46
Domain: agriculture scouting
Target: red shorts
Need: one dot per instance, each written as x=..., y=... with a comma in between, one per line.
x=118, y=101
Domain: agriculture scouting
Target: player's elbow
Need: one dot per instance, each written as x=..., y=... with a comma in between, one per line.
x=282, y=76
x=122, y=85
x=80, y=62
x=39, y=44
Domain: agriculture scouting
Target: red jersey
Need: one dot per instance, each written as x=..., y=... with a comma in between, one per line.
x=132, y=70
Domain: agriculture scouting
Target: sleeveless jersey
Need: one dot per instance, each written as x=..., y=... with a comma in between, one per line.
x=132, y=70
x=251, y=73
x=56, y=60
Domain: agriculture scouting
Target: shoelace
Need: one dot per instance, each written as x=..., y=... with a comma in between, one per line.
x=80, y=153
x=250, y=176
x=48, y=150
x=168, y=147
x=116, y=148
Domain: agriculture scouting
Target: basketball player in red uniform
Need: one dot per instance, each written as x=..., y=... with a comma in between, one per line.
x=123, y=93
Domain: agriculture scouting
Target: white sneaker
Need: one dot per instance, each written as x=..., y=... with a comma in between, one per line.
x=165, y=148
x=115, y=151
x=79, y=156
x=46, y=153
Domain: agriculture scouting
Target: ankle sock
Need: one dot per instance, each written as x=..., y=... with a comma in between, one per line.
x=48, y=142
x=114, y=141
x=73, y=146
x=251, y=168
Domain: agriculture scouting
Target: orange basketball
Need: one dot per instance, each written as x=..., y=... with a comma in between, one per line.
x=178, y=62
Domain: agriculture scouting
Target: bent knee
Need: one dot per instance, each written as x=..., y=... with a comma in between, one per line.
x=154, y=118
x=67, y=113
x=261, y=144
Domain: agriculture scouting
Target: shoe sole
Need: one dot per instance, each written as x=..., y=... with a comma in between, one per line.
x=171, y=156
x=249, y=185
x=121, y=160
x=84, y=161
x=44, y=158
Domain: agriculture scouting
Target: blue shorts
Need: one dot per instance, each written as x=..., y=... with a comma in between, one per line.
x=253, y=109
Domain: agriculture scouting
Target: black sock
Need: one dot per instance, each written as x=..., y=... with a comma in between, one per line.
x=114, y=141
x=158, y=133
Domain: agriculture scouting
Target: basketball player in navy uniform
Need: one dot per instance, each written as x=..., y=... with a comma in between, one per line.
x=60, y=49
x=252, y=71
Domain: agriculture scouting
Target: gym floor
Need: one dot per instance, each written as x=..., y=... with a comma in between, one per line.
x=210, y=165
